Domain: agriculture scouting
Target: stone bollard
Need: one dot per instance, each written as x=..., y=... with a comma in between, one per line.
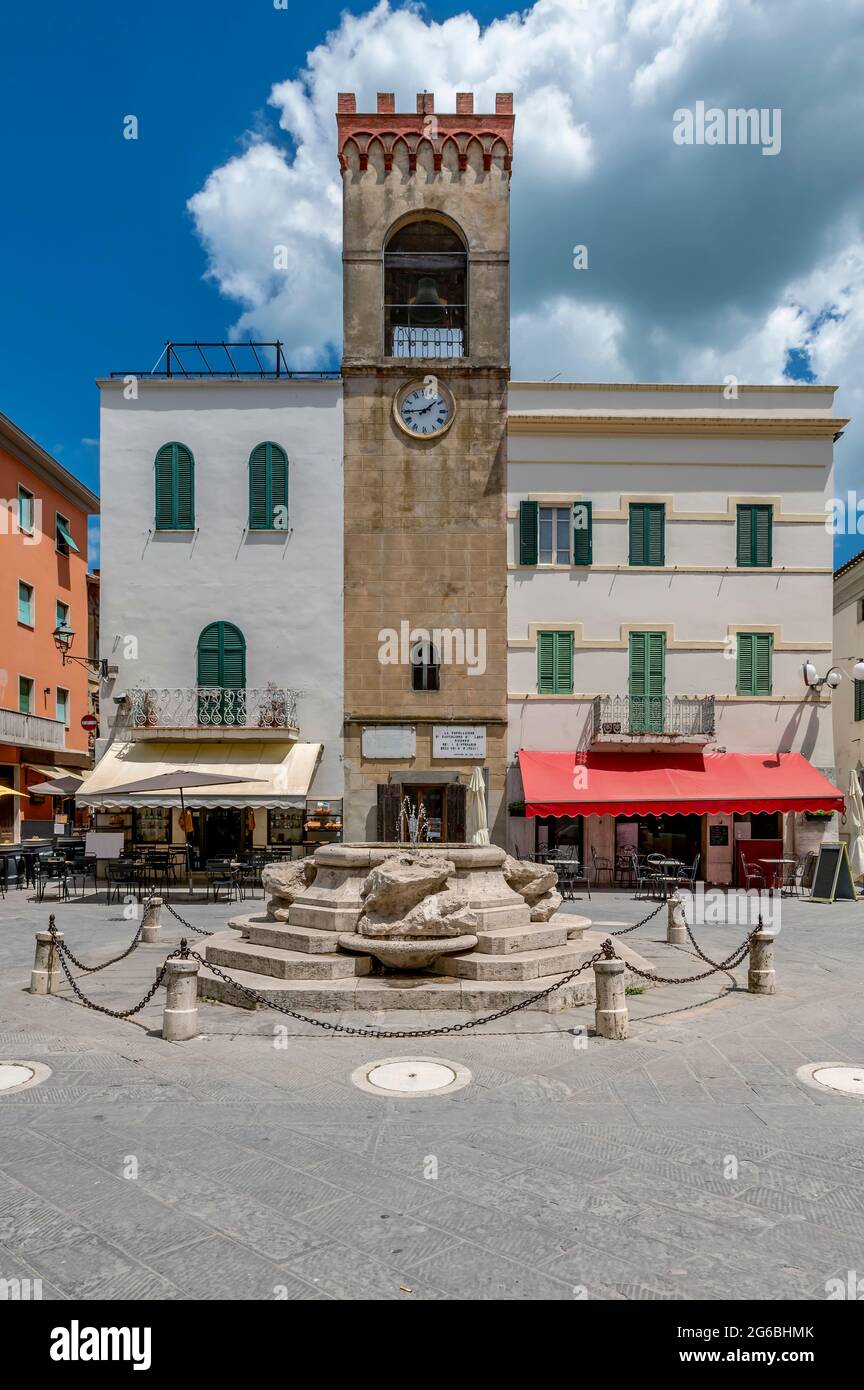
x=151, y=921
x=676, y=923
x=761, y=978
x=45, y=975
x=610, y=1015
x=180, y=1016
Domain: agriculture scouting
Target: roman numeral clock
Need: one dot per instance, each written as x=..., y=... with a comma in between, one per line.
x=426, y=363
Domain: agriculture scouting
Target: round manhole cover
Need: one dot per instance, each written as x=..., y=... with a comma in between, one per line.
x=15, y=1076
x=849, y=1080
x=411, y=1076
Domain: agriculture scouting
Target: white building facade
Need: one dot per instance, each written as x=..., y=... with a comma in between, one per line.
x=221, y=620
x=848, y=697
x=670, y=571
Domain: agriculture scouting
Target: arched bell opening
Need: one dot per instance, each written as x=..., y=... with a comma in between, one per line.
x=425, y=291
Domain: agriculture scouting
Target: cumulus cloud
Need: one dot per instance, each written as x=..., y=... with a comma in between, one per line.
x=704, y=261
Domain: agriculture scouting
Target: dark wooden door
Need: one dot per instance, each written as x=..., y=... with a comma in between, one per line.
x=389, y=803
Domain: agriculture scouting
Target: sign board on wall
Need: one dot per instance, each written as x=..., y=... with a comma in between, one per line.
x=389, y=741
x=105, y=844
x=458, y=740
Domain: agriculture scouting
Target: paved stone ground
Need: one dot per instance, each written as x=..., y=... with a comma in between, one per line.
x=568, y=1165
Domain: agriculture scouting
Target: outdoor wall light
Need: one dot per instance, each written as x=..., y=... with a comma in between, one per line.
x=833, y=676
x=64, y=636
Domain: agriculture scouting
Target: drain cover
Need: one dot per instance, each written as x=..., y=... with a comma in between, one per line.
x=411, y=1076
x=15, y=1076
x=849, y=1080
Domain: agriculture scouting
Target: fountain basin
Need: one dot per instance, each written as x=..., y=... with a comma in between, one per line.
x=418, y=953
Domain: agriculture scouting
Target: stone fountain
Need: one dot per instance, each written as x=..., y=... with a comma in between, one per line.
x=417, y=925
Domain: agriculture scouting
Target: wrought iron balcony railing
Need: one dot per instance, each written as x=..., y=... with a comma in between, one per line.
x=416, y=330
x=635, y=716
x=214, y=707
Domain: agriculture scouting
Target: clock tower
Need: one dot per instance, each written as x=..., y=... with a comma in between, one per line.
x=425, y=370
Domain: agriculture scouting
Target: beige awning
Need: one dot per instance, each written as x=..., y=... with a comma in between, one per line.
x=50, y=774
x=279, y=773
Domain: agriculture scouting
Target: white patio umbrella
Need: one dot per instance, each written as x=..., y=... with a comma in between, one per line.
x=855, y=812
x=476, y=824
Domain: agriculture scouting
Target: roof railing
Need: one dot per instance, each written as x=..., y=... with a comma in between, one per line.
x=238, y=361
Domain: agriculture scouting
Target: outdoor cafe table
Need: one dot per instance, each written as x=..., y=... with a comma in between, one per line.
x=776, y=868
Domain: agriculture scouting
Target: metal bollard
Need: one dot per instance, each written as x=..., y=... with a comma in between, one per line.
x=45, y=975
x=676, y=924
x=180, y=1015
x=761, y=978
x=611, y=1019
x=151, y=921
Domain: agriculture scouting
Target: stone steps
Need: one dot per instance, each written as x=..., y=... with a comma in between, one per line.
x=305, y=939
x=536, y=937
x=226, y=951
x=517, y=965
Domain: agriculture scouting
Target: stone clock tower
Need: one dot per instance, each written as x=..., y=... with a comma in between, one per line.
x=426, y=365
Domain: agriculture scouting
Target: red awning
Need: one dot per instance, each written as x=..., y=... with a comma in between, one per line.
x=652, y=784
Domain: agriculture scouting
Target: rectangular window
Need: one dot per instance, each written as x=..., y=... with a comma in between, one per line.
x=25, y=695
x=26, y=510
x=583, y=527
x=755, y=527
x=554, y=536
x=555, y=663
x=63, y=705
x=755, y=650
x=859, y=699
x=647, y=682
x=861, y=610
x=26, y=603
x=647, y=533
x=63, y=537
x=62, y=615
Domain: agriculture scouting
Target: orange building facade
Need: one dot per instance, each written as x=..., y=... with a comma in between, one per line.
x=43, y=585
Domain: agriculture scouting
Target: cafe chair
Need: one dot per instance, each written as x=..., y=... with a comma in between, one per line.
x=601, y=865
x=221, y=877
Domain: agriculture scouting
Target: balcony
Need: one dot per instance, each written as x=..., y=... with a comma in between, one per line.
x=625, y=720
x=31, y=730
x=213, y=712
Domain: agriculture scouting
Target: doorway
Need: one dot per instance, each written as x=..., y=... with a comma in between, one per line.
x=222, y=831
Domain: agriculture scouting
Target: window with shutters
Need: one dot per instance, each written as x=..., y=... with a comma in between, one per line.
x=63, y=705
x=755, y=527
x=425, y=667
x=221, y=675
x=26, y=694
x=26, y=604
x=647, y=533
x=647, y=682
x=175, y=488
x=555, y=663
x=268, y=488
x=554, y=547
x=755, y=650
x=555, y=535
x=859, y=699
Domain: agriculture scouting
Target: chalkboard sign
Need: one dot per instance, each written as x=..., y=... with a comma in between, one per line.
x=718, y=834
x=833, y=876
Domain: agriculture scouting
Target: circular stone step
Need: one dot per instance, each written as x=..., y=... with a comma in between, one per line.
x=411, y=1076
x=403, y=953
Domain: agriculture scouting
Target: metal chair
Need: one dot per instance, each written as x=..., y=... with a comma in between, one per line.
x=687, y=879
x=221, y=875
x=753, y=877
x=798, y=877
x=46, y=874
x=601, y=865
x=121, y=874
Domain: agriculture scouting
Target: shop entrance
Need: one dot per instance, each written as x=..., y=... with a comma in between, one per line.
x=559, y=832
x=444, y=804
x=222, y=831
x=7, y=807
x=677, y=837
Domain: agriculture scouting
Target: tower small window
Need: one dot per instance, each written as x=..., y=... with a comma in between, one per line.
x=425, y=668
x=425, y=292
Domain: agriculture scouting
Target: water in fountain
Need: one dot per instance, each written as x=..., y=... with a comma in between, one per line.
x=413, y=825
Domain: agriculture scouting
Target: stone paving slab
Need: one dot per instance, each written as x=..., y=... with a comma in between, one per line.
x=569, y=1162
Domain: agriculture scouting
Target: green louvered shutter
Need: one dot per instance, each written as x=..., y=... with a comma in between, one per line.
x=859, y=699
x=762, y=645
x=259, y=516
x=278, y=486
x=165, y=488
x=221, y=664
x=647, y=533
x=744, y=674
x=527, y=533
x=583, y=527
x=185, y=475
x=647, y=681
x=175, y=488
x=546, y=663
x=564, y=663
x=755, y=528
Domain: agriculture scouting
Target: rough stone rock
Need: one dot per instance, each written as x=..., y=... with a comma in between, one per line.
x=529, y=880
x=393, y=888
x=284, y=882
x=441, y=914
x=547, y=906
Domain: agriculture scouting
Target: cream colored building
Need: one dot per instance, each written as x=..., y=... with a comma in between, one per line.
x=669, y=572
x=848, y=698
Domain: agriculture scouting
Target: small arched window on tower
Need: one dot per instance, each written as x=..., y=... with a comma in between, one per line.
x=425, y=667
x=425, y=292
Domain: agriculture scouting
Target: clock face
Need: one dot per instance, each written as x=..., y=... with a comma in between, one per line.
x=424, y=411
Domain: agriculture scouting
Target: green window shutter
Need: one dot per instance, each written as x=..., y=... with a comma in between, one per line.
x=583, y=526
x=208, y=656
x=564, y=663
x=744, y=673
x=233, y=658
x=528, y=533
x=647, y=533
x=546, y=663
x=278, y=484
x=268, y=486
x=647, y=681
x=754, y=543
x=175, y=488
x=762, y=647
x=859, y=699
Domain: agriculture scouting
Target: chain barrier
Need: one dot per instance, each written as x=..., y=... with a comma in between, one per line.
x=622, y=931
x=92, y=969
x=63, y=951
x=190, y=926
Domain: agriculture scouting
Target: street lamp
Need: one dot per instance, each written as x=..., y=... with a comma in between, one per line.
x=833, y=676
x=64, y=636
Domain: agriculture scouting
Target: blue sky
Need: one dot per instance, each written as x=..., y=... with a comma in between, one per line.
x=746, y=264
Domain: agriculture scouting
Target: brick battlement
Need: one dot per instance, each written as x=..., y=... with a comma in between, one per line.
x=450, y=137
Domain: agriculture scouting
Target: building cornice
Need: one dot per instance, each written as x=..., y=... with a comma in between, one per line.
x=714, y=387
x=732, y=426
x=27, y=452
